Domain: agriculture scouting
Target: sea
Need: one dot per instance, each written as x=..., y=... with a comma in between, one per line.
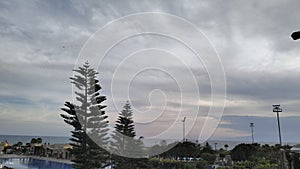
x=13, y=139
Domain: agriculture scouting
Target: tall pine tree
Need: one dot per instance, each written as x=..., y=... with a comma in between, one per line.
x=92, y=129
x=124, y=144
x=80, y=160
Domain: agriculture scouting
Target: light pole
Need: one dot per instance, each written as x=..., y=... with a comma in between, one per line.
x=277, y=109
x=183, y=129
x=252, y=126
x=216, y=146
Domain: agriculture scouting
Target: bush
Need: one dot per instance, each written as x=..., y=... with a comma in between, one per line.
x=210, y=158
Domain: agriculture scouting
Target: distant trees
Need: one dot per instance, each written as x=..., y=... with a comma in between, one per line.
x=88, y=119
x=226, y=146
x=39, y=140
x=182, y=150
x=33, y=141
x=19, y=143
x=207, y=149
x=176, y=164
x=36, y=140
x=124, y=143
x=259, y=157
x=209, y=157
x=244, y=152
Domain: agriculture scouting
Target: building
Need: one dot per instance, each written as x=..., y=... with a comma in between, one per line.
x=61, y=151
x=296, y=148
x=3, y=146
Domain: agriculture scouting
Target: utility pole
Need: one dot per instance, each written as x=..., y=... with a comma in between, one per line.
x=183, y=129
x=252, y=126
x=277, y=109
x=216, y=146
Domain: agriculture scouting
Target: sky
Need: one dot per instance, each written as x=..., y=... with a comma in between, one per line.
x=249, y=41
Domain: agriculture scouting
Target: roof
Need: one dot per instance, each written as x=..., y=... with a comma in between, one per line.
x=38, y=145
x=295, y=149
x=297, y=145
x=54, y=146
x=68, y=146
x=5, y=144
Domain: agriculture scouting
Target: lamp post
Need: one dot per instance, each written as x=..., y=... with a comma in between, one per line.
x=252, y=126
x=277, y=109
x=183, y=129
x=216, y=146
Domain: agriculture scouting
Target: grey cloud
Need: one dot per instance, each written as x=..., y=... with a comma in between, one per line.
x=262, y=85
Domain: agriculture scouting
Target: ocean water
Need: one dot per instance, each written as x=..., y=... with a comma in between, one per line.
x=13, y=139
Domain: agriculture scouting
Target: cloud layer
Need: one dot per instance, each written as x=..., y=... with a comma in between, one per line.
x=40, y=42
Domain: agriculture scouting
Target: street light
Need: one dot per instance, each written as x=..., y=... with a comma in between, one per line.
x=252, y=126
x=216, y=146
x=183, y=129
x=277, y=109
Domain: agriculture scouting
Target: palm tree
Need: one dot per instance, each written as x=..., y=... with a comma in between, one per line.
x=226, y=146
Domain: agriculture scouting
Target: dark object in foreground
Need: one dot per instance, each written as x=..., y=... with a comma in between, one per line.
x=295, y=35
x=5, y=167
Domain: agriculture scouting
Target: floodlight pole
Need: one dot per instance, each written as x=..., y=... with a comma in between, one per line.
x=277, y=109
x=183, y=129
x=252, y=126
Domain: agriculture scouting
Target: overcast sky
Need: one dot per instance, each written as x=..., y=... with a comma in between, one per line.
x=41, y=40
